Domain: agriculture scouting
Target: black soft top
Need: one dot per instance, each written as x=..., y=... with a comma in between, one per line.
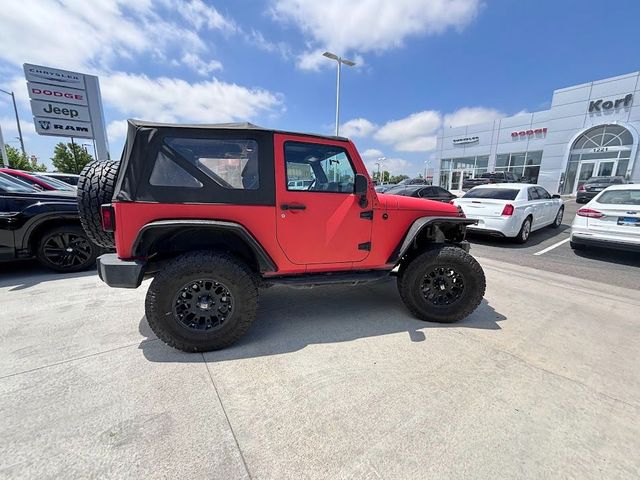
x=223, y=126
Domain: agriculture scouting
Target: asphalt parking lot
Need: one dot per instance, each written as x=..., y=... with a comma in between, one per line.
x=542, y=381
x=548, y=249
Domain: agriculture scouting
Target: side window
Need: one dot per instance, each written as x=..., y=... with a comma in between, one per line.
x=542, y=193
x=230, y=163
x=427, y=192
x=533, y=194
x=167, y=173
x=318, y=168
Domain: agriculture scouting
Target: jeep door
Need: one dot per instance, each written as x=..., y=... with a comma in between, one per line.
x=320, y=223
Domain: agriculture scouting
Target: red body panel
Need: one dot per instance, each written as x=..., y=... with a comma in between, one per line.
x=28, y=178
x=323, y=237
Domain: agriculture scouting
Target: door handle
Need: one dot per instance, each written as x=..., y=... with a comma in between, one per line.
x=286, y=206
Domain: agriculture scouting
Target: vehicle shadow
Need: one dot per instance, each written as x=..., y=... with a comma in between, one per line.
x=289, y=320
x=537, y=237
x=631, y=259
x=24, y=274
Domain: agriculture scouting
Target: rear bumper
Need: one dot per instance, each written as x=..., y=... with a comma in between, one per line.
x=585, y=196
x=497, y=226
x=592, y=241
x=120, y=273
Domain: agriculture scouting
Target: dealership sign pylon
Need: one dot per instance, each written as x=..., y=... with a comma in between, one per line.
x=67, y=104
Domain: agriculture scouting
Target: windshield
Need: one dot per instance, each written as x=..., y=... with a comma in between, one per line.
x=493, y=193
x=401, y=190
x=8, y=184
x=620, y=197
x=54, y=182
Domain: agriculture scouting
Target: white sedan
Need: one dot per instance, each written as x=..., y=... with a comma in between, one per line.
x=611, y=219
x=511, y=210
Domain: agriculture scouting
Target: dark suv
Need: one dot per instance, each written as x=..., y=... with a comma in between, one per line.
x=486, y=178
x=594, y=186
x=211, y=212
x=42, y=224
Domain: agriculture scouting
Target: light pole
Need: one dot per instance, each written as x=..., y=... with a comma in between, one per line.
x=15, y=110
x=340, y=61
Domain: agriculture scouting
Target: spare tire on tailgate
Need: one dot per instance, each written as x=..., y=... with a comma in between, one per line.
x=95, y=188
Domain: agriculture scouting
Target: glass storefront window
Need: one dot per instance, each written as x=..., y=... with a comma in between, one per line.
x=517, y=159
x=482, y=162
x=502, y=160
x=622, y=167
x=534, y=158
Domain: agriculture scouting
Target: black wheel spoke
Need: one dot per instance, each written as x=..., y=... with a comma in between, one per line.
x=442, y=286
x=203, y=305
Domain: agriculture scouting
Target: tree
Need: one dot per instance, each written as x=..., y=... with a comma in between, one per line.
x=398, y=178
x=20, y=161
x=70, y=158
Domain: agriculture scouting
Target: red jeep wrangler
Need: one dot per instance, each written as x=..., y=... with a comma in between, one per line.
x=214, y=212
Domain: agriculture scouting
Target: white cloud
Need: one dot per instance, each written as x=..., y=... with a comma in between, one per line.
x=395, y=166
x=198, y=65
x=117, y=130
x=312, y=60
x=471, y=116
x=370, y=25
x=257, y=39
x=200, y=15
x=172, y=100
x=358, y=127
x=89, y=36
x=371, y=153
x=414, y=133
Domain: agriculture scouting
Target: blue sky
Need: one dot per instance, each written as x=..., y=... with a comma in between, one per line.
x=423, y=65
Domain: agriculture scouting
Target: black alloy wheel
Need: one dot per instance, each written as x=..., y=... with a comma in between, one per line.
x=442, y=286
x=66, y=249
x=203, y=305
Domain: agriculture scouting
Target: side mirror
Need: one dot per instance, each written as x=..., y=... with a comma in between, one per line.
x=362, y=184
x=555, y=196
x=361, y=187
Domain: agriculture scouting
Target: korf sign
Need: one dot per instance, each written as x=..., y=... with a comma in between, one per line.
x=53, y=76
x=62, y=128
x=52, y=93
x=64, y=111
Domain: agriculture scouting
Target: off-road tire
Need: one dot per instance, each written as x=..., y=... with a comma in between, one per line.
x=90, y=250
x=557, y=223
x=95, y=188
x=521, y=237
x=410, y=284
x=220, y=267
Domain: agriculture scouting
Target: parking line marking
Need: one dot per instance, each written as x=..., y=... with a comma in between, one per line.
x=555, y=245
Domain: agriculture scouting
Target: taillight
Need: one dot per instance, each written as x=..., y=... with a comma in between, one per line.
x=589, y=212
x=461, y=213
x=508, y=210
x=108, y=214
x=581, y=188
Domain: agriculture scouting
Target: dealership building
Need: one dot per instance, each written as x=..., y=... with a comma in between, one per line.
x=590, y=130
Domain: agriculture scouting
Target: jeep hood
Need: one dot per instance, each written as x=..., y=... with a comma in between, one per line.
x=430, y=207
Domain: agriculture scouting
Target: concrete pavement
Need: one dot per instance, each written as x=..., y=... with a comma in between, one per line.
x=542, y=381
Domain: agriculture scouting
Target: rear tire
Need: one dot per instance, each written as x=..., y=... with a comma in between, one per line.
x=95, y=188
x=525, y=231
x=202, y=301
x=442, y=285
x=66, y=249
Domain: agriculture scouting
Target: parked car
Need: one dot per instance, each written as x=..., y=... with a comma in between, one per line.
x=211, y=238
x=412, y=181
x=512, y=210
x=610, y=220
x=70, y=178
x=428, y=192
x=385, y=187
x=38, y=180
x=593, y=186
x=489, y=177
x=44, y=225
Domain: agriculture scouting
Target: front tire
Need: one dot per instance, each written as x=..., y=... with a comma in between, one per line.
x=442, y=285
x=202, y=301
x=558, y=220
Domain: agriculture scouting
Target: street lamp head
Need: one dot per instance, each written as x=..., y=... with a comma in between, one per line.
x=332, y=56
x=338, y=59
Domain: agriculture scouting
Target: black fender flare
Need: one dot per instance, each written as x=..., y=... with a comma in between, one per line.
x=24, y=235
x=418, y=226
x=153, y=230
